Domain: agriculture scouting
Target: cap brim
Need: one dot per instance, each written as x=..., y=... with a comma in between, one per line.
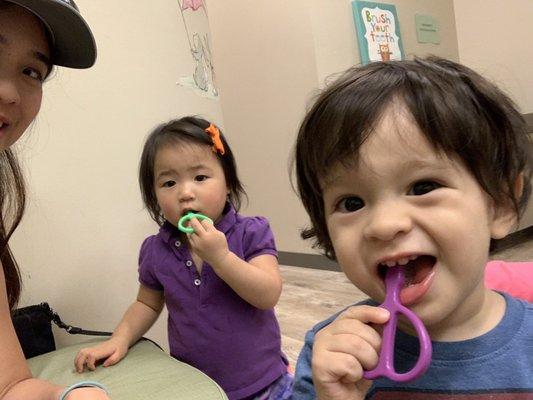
x=73, y=42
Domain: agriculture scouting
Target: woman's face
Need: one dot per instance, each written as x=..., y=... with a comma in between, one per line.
x=24, y=63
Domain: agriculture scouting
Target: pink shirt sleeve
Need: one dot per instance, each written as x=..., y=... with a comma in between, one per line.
x=515, y=278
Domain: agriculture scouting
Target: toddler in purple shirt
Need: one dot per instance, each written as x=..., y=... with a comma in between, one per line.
x=219, y=283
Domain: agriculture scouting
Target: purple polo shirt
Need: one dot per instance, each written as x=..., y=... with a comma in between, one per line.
x=209, y=326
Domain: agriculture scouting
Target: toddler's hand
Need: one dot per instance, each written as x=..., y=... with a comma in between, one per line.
x=113, y=350
x=345, y=348
x=207, y=241
x=87, y=394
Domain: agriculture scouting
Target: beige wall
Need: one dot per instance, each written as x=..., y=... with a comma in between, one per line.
x=270, y=56
x=493, y=39
x=265, y=61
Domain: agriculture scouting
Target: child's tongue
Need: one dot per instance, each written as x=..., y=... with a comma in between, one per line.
x=419, y=275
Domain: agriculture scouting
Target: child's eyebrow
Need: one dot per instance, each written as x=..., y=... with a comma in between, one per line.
x=437, y=164
x=164, y=172
x=433, y=164
x=198, y=167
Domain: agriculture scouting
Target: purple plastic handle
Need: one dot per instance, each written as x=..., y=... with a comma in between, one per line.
x=394, y=282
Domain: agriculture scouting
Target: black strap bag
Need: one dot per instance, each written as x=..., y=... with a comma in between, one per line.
x=33, y=325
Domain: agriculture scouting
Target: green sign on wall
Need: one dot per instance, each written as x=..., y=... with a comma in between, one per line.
x=427, y=29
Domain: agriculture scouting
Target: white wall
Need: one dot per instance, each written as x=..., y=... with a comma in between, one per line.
x=79, y=240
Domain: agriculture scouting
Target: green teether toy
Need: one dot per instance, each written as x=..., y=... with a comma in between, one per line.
x=188, y=217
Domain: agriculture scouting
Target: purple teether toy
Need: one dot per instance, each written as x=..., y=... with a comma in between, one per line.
x=394, y=282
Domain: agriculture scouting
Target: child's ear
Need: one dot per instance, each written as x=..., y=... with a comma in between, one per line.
x=505, y=218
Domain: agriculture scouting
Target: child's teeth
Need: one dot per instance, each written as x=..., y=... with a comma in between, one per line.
x=403, y=261
x=413, y=257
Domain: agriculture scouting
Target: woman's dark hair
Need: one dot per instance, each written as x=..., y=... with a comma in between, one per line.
x=457, y=110
x=184, y=130
x=12, y=202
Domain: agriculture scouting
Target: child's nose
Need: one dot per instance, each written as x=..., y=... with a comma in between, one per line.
x=9, y=93
x=387, y=221
x=186, y=193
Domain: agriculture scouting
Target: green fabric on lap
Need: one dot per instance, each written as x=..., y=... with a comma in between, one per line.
x=146, y=373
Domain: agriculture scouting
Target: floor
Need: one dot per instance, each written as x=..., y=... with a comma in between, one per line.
x=311, y=295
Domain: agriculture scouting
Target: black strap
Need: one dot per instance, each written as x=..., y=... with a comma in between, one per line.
x=74, y=330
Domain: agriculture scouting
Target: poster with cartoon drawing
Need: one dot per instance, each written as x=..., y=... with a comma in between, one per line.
x=378, y=31
x=196, y=23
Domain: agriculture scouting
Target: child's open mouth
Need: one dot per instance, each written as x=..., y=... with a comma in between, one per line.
x=419, y=274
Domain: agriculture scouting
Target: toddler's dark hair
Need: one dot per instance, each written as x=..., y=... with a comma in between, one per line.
x=180, y=131
x=457, y=110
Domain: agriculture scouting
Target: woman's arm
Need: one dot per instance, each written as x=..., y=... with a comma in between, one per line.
x=16, y=381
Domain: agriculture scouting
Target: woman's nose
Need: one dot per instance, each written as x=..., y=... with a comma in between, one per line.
x=9, y=93
x=387, y=221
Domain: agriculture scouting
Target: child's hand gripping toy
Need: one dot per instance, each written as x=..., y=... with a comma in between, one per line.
x=394, y=281
x=188, y=217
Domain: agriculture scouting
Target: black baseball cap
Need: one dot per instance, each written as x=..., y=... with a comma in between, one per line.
x=73, y=43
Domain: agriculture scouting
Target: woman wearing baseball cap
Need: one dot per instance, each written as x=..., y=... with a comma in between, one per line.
x=35, y=35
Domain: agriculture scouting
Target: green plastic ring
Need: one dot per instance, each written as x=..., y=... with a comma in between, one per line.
x=189, y=216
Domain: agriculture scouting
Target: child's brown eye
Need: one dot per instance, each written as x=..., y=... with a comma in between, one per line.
x=350, y=204
x=423, y=187
x=169, y=183
x=200, y=178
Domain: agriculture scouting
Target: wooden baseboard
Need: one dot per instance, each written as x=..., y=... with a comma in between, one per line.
x=514, y=239
x=315, y=261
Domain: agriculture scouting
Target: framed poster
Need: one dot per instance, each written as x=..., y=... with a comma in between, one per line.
x=378, y=31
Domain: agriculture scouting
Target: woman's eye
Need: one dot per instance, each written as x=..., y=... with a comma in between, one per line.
x=350, y=204
x=168, y=183
x=200, y=178
x=423, y=187
x=34, y=74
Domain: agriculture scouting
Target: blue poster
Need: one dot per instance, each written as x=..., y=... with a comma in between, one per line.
x=378, y=31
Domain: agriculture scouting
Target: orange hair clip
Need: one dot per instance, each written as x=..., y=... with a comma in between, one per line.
x=218, y=146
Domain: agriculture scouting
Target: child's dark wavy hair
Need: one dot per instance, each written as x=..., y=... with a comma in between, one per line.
x=458, y=111
x=179, y=131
